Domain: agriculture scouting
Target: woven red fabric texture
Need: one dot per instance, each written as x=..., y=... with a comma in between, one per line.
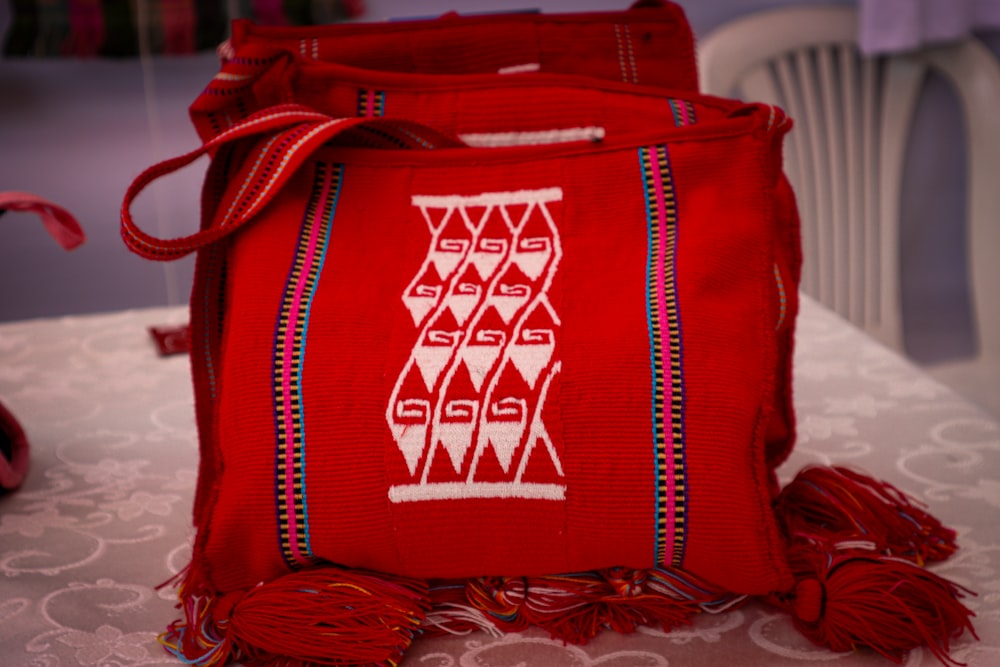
x=630, y=46
x=503, y=340
x=476, y=106
x=525, y=360
x=395, y=70
x=649, y=46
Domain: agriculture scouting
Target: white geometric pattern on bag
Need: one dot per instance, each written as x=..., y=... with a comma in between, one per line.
x=481, y=303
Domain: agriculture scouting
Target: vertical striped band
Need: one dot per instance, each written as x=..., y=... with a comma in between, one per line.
x=309, y=48
x=782, y=298
x=371, y=103
x=666, y=356
x=683, y=112
x=289, y=358
x=626, y=53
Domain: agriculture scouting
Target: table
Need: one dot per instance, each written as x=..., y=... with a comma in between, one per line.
x=103, y=517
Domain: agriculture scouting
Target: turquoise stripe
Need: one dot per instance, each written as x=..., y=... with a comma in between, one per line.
x=678, y=121
x=644, y=156
x=338, y=176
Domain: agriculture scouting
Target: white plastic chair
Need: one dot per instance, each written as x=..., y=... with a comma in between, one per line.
x=845, y=159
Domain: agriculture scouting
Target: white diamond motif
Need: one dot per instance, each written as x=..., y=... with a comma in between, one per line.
x=488, y=364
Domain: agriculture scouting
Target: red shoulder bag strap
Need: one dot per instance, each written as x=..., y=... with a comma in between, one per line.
x=59, y=222
x=283, y=138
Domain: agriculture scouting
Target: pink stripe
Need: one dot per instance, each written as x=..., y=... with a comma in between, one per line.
x=684, y=113
x=370, y=104
x=286, y=380
x=661, y=301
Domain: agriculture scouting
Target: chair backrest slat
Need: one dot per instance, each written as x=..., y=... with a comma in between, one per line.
x=846, y=157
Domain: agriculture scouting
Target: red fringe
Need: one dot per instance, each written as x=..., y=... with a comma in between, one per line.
x=452, y=613
x=324, y=615
x=500, y=599
x=575, y=607
x=836, y=504
x=855, y=545
x=860, y=598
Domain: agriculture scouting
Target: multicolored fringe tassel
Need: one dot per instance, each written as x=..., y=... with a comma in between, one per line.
x=324, y=615
x=855, y=545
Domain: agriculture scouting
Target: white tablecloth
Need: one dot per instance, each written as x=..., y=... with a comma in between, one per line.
x=104, y=515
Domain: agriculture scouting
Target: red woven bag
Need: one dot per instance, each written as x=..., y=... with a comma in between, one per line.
x=652, y=44
x=519, y=374
x=461, y=421
x=649, y=48
x=467, y=106
x=437, y=378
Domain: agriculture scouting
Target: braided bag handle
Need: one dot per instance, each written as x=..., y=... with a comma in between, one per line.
x=283, y=137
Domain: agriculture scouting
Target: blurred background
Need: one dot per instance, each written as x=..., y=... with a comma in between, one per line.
x=76, y=126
